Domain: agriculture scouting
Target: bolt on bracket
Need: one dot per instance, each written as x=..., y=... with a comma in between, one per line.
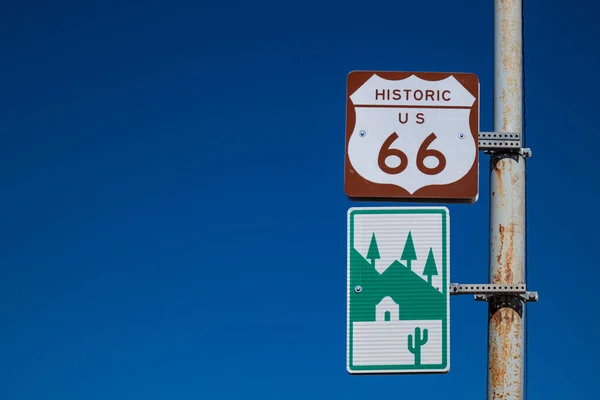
x=484, y=292
x=526, y=152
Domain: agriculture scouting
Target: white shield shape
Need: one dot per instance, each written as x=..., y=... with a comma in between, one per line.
x=412, y=133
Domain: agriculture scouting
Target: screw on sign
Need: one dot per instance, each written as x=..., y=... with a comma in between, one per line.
x=412, y=136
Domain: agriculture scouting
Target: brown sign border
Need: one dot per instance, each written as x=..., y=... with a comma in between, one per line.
x=465, y=190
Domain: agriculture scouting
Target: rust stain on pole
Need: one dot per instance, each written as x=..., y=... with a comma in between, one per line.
x=505, y=365
x=499, y=256
x=505, y=255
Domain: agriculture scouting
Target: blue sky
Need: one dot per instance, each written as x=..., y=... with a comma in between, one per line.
x=173, y=220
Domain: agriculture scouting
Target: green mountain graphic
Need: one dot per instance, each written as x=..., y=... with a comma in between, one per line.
x=417, y=299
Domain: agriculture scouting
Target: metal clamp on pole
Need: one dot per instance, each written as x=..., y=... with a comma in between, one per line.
x=502, y=141
x=484, y=292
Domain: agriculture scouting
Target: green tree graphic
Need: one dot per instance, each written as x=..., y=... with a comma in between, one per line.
x=373, y=253
x=409, y=254
x=430, y=267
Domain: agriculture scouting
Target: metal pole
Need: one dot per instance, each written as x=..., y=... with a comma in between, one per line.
x=507, y=210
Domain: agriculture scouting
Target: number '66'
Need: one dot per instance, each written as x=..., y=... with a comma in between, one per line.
x=424, y=152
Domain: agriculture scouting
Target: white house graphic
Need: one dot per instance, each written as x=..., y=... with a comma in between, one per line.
x=387, y=310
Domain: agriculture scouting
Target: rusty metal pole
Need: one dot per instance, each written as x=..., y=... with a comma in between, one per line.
x=507, y=210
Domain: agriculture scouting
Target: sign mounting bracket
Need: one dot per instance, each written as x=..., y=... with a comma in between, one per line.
x=502, y=141
x=483, y=292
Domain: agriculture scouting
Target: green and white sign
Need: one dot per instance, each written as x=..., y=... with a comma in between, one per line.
x=398, y=313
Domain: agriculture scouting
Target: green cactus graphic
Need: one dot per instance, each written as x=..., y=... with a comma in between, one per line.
x=419, y=341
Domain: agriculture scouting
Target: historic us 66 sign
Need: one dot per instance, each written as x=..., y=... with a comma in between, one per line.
x=412, y=136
